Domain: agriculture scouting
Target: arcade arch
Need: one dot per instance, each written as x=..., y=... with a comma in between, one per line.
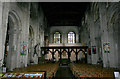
x=12, y=43
x=31, y=45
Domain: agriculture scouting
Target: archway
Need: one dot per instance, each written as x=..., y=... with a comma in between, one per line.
x=30, y=46
x=82, y=57
x=73, y=56
x=12, y=43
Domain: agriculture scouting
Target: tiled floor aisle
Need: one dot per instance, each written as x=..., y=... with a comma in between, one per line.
x=64, y=73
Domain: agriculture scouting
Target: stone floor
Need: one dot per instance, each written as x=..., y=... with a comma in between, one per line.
x=64, y=72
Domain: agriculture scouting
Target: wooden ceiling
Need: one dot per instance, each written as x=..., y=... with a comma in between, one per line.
x=64, y=13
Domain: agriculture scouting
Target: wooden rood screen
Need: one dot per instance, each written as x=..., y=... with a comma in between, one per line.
x=61, y=49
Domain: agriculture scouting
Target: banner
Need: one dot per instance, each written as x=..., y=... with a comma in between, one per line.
x=106, y=47
x=23, y=48
x=94, y=49
x=89, y=51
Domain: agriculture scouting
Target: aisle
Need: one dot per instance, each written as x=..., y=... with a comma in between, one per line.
x=64, y=73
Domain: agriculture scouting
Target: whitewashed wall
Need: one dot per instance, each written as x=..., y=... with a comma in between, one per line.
x=64, y=30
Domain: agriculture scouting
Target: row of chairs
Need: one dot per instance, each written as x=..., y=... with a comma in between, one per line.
x=50, y=69
x=86, y=70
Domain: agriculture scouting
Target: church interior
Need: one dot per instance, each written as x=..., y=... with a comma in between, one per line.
x=59, y=40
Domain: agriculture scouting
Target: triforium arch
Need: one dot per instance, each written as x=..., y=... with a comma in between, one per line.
x=13, y=36
x=31, y=45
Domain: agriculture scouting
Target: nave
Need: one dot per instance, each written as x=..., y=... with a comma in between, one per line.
x=72, y=71
x=64, y=72
x=63, y=39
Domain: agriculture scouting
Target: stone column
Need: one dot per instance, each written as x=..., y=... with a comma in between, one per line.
x=14, y=53
x=104, y=36
x=118, y=47
x=25, y=28
x=42, y=38
x=11, y=58
x=18, y=48
x=1, y=52
x=92, y=38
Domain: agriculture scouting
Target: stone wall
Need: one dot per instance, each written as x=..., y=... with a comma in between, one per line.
x=64, y=30
x=28, y=26
x=1, y=47
x=38, y=24
x=20, y=19
x=101, y=23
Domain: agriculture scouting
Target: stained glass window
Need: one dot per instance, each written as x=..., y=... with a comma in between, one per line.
x=56, y=37
x=71, y=37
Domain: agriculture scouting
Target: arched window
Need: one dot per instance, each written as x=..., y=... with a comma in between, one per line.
x=71, y=37
x=57, y=37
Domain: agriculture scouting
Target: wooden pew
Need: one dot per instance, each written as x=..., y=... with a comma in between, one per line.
x=50, y=69
x=85, y=70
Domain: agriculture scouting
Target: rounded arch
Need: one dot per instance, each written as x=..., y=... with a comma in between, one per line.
x=93, y=7
x=71, y=37
x=56, y=31
x=57, y=39
x=30, y=45
x=112, y=9
x=13, y=35
x=96, y=11
x=31, y=32
x=71, y=31
x=13, y=17
x=114, y=17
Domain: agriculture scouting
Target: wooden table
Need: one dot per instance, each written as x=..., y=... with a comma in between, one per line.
x=24, y=75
